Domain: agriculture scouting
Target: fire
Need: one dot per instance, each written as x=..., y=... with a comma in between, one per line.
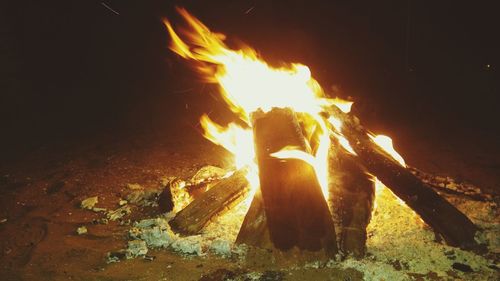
x=385, y=143
x=248, y=84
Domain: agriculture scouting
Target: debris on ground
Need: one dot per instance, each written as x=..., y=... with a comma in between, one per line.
x=180, y=196
x=134, y=186
x=208, y=173
x=136, y=248
x=81, y=230
x=118, y=213
x=89, y=203
x=122, y=202
x=144, y=198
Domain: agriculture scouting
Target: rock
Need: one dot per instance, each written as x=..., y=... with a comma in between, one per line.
x=89, y=203
x=122, y=202
x=81, y=230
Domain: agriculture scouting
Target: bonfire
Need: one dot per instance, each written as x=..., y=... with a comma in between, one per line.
x=306, y=168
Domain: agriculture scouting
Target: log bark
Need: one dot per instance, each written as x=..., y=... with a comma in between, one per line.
x=295, y=209
x=352, y=195
x=254, y=230
x=446, y=220
x=223, y=195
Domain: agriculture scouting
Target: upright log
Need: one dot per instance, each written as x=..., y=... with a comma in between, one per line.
x=197, y=214
x=352, y=195
x=295, y=209
x=455, y=228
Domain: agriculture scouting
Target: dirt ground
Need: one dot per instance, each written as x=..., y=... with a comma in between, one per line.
x=41, y=194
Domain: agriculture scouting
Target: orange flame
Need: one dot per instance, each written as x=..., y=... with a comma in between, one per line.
x=247, y=84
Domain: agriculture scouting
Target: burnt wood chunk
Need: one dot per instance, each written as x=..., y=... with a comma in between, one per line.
x=226, y=193
x=352, y=195
x=455, y=228
x=296, y=211
x=254, y=229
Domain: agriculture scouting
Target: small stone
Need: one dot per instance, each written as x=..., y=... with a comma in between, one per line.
x=97, y=210
x=81, y=230
x=122, y=202
x=89, y=203
x=149, y=258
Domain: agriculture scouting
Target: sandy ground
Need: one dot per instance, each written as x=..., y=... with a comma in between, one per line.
x=40, y=213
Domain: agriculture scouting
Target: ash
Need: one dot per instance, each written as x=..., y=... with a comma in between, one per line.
x=400, y=245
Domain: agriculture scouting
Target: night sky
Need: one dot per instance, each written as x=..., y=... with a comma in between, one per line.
x=74, y=69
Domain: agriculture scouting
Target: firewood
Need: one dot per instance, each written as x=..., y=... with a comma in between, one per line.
x=296, y=211
x=352, y=195
x=226, y=193
x=254, y=229
x=446, y=220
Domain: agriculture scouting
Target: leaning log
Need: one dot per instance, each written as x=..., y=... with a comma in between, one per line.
x=352, y=195
x=254, y=230
x=295, y=209
x=226, y=193
x=446, y=220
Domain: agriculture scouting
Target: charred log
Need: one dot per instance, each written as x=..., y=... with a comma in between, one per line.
x=223, y=195
x=352, y=195
x=295, y=209
x=254, y=230
x=455, y=228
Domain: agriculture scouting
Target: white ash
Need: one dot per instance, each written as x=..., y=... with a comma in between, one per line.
x=217, y=238
x=399, y=243
x=136, y=248
x=397, y=235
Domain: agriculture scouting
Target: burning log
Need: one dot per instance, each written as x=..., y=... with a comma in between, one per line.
x=352, y=195
x=294, y=206
x=254, y=230
x=228, y=192
x=443, y=217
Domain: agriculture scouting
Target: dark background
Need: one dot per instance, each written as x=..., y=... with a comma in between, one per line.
x=71, y=70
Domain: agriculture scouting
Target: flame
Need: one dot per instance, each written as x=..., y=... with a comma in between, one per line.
x=248, y=84
x=385, y=143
